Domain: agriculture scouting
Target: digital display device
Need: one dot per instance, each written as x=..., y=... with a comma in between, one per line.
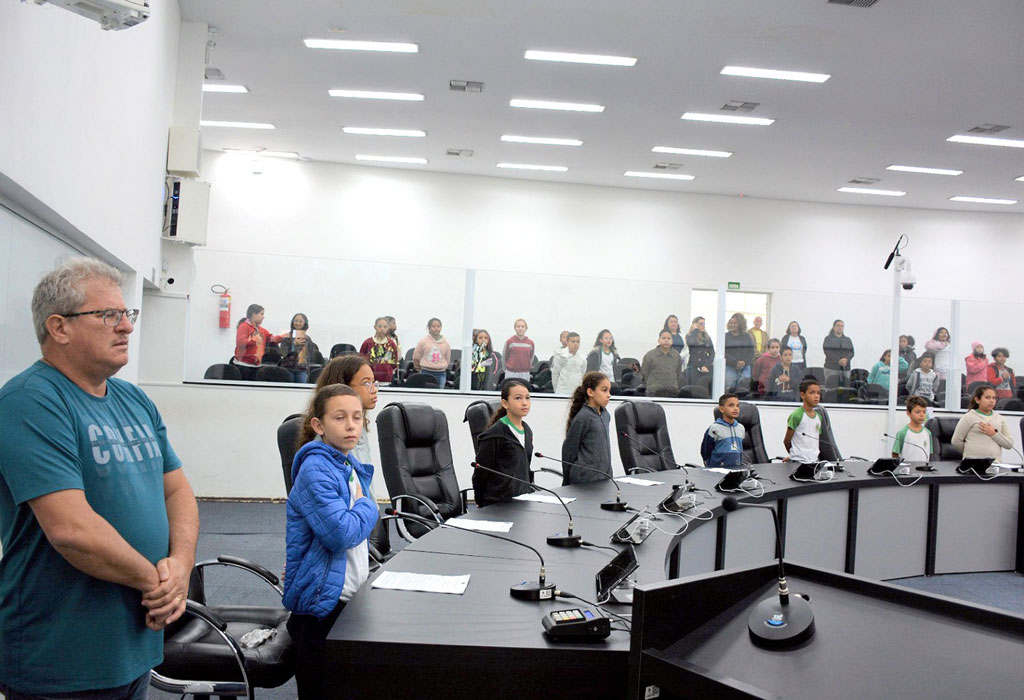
x=615, y=572
x=634, y=531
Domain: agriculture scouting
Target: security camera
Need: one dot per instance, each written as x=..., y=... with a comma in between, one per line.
x=908, y=280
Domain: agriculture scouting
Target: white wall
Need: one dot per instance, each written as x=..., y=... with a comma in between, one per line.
x=84, y=126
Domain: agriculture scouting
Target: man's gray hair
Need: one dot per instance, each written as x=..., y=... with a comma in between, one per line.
x=63, y=290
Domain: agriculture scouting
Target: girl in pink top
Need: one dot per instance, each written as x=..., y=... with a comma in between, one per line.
x=977, y=364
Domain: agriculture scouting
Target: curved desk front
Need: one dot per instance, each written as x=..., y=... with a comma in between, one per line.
x=486, y=644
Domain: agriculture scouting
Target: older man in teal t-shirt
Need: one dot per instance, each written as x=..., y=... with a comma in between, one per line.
x=97, y=521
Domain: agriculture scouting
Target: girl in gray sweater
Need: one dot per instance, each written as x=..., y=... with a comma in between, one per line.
x=586, y=439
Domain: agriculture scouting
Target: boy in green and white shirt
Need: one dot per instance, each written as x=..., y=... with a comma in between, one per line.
x=914, y=435
x=803, y=427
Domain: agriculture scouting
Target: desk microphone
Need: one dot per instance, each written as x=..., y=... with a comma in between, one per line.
x=556, y=540
x=618, y=504
x=527, y=590
x=819, y=438
x=783, y=622
x=927, y=456
x=689, y=484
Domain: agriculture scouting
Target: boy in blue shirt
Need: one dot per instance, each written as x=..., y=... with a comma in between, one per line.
x=722, y=446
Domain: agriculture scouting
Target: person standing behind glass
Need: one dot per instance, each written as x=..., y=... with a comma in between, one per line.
x=433, y=354
x=739, y=350
x=939, y=344
x=484, y=365
x=1000, y=376
x=381, y=352
x=393, y=333
x=604, y=356
x=662, y=369
x=759, y=336
x=702, y=350
x=298, y=351
x=880, y=373
x=518, y=353
x=976, y=364
x=672, y=326
x=907, y=351
x=838, y=353
x=251, y=340
x=764, y=365
x=784, y=378
x=795, y=341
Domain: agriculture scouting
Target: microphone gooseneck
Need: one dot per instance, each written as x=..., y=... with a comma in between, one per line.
x=927, y=456
x=618, y=504
x=527, y=590
x=688, y=484
x=777, y=622
x=558, y=540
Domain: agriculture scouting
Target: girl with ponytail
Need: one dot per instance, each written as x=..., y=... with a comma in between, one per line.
x=506, y=446
x=586, y=439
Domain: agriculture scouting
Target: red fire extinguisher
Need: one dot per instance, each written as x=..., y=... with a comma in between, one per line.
x=224, y=305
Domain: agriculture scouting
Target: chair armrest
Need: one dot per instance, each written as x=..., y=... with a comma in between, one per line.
x=237, y=562
x=422, y=500
x=465, y=499
x=204, y=613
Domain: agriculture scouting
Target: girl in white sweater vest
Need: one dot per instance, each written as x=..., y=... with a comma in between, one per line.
x=982, y=432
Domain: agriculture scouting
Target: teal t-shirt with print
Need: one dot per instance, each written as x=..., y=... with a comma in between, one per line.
x=60, y=629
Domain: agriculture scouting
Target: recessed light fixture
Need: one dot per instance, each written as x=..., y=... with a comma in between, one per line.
x=1019, y=179
x=593, y=59
x=392, y=159
x=726, y=119
x=864, y=190
x=258, y=152
x=543, y=141
x=348, y=45
x=659, y=176
x=530, y=166
x=924, y=171
x=375, y=95
x=986, y=141
x=221, y=87
x=369, y=131
x=745, y=72
x=691, y=152
x=981, y=200
x=564, y=106
x=237, y=125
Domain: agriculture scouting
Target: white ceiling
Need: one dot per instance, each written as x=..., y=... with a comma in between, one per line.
x=906, y=75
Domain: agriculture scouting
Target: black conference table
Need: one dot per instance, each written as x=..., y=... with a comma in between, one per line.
x=484, y=643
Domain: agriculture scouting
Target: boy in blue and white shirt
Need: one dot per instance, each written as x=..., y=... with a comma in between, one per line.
x=722, y=446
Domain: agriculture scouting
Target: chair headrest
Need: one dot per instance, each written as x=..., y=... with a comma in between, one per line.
x=420, y=423
x=647, y=415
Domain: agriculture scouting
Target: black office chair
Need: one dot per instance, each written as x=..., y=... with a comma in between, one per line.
x=742, y=389
x=421, y=381
x=942, y=433
x=754, y=451
x=416, y=458
x=828, y=449
x=478, y=414
x=273, y=373
x=644, y=422
x=204, y=643
x=342, y=349
x=816, y=372
x=1010, y=404
x=974, y=387
x=873, y=394
x=222, y=371
x=314, y=374
x=694, y=392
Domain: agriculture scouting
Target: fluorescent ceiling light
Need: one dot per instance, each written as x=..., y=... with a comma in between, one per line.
x=367, y=131
x=528, y=166
x=258, y=152
x=593, y=59
x=1019, y=179
x=221, y=87
x=347, y=45
x=691, y=152
x=744, y=72
x=510, y=138
x=864, y=190
x=565, y=106
x=238, y=125
x=372, y=95
x=726, y=119
x=392, y=159
x=658, y=176
x=981, y=200
x=924, y=171
x=986, y=141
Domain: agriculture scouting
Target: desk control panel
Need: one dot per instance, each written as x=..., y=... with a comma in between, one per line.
x=577, y=624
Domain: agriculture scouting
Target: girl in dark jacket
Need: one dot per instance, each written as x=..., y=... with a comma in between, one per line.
x=586, y=438
x=505, y=446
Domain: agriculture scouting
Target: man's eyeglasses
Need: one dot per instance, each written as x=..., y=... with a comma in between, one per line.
x=370, y=386
x=111, y=317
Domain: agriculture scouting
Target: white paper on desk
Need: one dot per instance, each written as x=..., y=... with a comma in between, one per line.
x=720, y=470
x=427, y=583
x=481, y=525
x=638, y=482
x=541, y=498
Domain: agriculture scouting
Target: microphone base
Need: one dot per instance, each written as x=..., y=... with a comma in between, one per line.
x=773, y=625
x=613, y=505
x=565, y=540
x=927, y=468
x=532, y=590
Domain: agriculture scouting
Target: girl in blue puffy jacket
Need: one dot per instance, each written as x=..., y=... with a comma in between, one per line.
x=330, y=516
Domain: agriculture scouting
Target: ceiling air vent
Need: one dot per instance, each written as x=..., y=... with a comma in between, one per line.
x=460, y=152
x=865, y=180
x=466, y=85
x=853, y=3
x=667, y=166
x=988, y=129
x=740, y=106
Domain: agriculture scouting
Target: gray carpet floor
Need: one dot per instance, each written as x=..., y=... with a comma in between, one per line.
x=255, y=531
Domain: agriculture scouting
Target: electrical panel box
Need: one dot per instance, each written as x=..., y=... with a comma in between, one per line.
x=184, y=151
x=186, y=211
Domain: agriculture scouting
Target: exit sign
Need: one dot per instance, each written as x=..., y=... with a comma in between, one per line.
x=734, y=285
